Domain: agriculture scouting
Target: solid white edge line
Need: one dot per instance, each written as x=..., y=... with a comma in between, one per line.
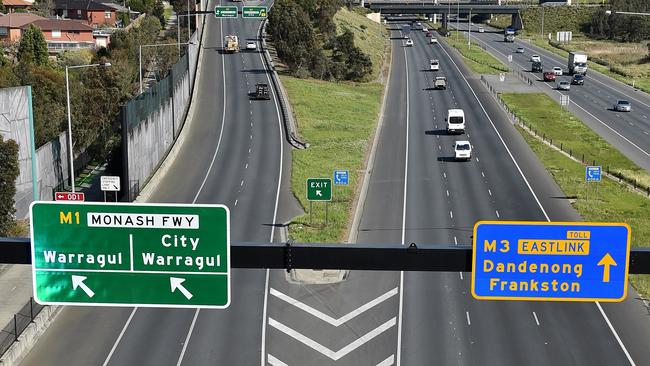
x=406, y=169
x=119, y=338
x=536, y=319
x=187, y=338
x=611, y=327
x=469, y=322
x=618, y=339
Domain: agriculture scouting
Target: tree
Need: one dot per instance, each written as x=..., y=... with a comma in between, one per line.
x=292, y=33
x=49, y=100
x=32, y=47
x=44, y=8
x=9, y=170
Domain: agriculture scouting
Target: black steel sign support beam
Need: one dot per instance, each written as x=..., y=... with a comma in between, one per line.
x=375, y=257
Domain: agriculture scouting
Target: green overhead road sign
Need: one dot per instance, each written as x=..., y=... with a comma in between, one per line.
x=319, y=189
x=150, y=255
x=254, y=12
x=225, y=11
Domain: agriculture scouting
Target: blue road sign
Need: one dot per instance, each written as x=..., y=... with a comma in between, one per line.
x=550, y=261
x=592, y=173
x=341, y=177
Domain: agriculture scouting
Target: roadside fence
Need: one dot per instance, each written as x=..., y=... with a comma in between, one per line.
x=10, y=333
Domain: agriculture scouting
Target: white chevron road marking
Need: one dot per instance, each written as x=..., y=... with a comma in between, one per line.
x=326, y=318
x=326, y=351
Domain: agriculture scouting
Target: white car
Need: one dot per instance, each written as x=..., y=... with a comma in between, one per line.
x=557, y=71
x=433, y=40
x=462, y=150
x=481, y=30
x=563, y=85
x=251, y=45
x=434, y=65
x=535, y=58
x=519, y=50
x=409, y=42
x=424, y=29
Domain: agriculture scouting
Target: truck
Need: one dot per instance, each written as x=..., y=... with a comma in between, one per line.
x=406, y=30
x=577, y=63
x=509, y=35
x=231, y=44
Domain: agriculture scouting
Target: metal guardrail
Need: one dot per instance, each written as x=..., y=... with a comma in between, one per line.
x=10, y=333
x=374, y=257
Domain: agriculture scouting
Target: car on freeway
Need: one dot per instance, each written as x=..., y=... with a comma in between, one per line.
x=557, y=71
x=520, y=50
x=481, y=30
x=535, y=58
x=409, y=43
x=537, y=67
x=434, y=65
x=563, y=85
x=418, y=24
x=549, y=76
x=623, y=106
x=262, y=91
x=440, y=83
x=251, y=45
x=433, y=40
x=578, y=79
x=424, y=29
x=462, y=150
x=429, y=34
x=455, y=121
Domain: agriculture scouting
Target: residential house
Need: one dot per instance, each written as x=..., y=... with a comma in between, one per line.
x=16, y=5
x=91, y=12
x=65, y=34
x=12, y=24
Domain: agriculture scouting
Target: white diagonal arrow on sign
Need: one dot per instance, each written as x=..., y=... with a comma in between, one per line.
x=326, y=351
x=177, y=283
x=327, y=318
x=318, y=193
x=78, y=281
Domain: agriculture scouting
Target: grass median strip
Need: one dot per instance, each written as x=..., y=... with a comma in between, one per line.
x=338, y=120
x=475, y=57
x=606, y=201
x=564, y=129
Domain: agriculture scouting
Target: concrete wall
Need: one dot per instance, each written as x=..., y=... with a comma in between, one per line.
x=52, y=162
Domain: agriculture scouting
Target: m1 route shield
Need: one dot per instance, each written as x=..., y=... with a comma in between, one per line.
x=150, y=255
x=550, y=261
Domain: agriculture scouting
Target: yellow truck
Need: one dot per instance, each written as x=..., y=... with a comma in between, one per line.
x=231, y=44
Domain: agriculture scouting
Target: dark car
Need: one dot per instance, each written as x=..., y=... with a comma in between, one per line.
x=578, y=80
x=537, y=67
x=549, y=76
x=429, y=34
x=262, y=91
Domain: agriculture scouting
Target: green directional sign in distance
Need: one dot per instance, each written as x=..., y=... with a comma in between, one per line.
x=319, y=189
x=254, y=12
x=131, y=254
x=225, y=11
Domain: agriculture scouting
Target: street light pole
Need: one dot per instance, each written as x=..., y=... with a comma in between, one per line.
x=67, y=94
x=542, y=22
x=469, y=27
x=457, y=19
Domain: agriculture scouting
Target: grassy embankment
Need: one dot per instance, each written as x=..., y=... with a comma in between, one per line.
x=479, y=60
x=626, y=62
x=610, y=201
x=338, y=120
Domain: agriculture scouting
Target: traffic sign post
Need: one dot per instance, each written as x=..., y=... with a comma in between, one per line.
x=550, y=261
x=341, y=177
x=254, y=12
x=149, y=255
x=69, y=196
x=593, y=173
x=319, y=189
x=110, y=183
x=225, y=12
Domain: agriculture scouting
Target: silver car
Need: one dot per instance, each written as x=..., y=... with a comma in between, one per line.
x=623, y=106
x=563, y=85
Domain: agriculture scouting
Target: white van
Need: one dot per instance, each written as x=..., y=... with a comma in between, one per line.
x=455, y=121
x=434, y=65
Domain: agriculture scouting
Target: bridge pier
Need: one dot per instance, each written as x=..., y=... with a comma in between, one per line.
x=445, y=17
x=517, y=23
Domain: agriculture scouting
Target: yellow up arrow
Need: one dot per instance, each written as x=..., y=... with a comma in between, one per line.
x=606, y=262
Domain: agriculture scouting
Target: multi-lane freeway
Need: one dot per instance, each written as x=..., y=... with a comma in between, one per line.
x=234, y=153
x=591, y=102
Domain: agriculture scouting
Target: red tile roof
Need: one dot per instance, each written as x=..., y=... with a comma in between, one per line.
x=16, y=3
x=18, y=20
x=61, y=24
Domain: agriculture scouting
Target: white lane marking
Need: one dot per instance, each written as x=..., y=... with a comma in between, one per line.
x=490, y=192
x=644, y=116
x=242, y=183
x=468, y=320
x=119, y=338
x=447, y=193
x=246, y=167
x=387, y=362
x=455, y=241
x=249, y=150
x=451, y=214
x=13, y=288
x=187, y=339
x=274, y=361
x=326, y=351
x=461, y=275
x=536, y=320
x=618, y=339
x=328, y=319
x=236, y=202
x=499, y=135
x=483, y=174
x=646, y=132
x=477, y=159
x=497, y=211
x=439, y=147
x=406, y=170
x=444, y=174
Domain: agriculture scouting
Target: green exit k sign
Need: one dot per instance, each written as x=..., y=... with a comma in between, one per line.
x=254, y=12
x=149, y=255
x=319, y=189
x=225, y=11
